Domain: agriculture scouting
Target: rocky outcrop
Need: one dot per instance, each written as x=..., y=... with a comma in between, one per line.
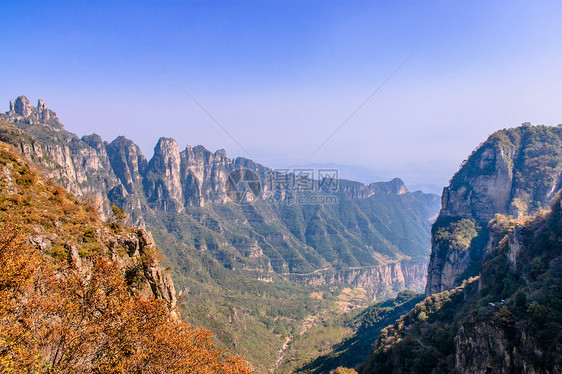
x=380, y=281
x=140, y=258
x=361, y=191
x=204, y=175
x=22, y=106
x=63, y=235
x=515, y=172
x=21, y=111
x=163, y=185
x=484, y=344
x=128, y=163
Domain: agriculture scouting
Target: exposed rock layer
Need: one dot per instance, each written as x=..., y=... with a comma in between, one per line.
x=380, y=281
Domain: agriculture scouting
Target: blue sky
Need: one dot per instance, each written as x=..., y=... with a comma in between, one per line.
x=281, y=76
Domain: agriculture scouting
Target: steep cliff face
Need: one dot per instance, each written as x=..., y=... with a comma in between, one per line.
x=163, y=185
x=79, y=232
x=128, y=163
x=515, y=172
x=507, y=320
x=147, y=277
x=488, y=344
x=361, y=191
x=204, y=174
x=380, y=281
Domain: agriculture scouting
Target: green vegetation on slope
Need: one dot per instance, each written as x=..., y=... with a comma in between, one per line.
x=508, y=320
x=351, y=336
x=421, y=341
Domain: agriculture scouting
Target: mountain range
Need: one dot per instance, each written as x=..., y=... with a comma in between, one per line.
x=281, y=272
x=224, y=256
x=186, y=194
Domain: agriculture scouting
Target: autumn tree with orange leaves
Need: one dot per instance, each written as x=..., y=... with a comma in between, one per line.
x=55, y=320
x=59, y=317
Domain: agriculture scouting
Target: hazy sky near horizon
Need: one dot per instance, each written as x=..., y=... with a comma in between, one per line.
x=281, y=76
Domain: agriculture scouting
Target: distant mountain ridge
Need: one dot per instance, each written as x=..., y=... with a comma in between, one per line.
x=178, y=182
x=194, y=176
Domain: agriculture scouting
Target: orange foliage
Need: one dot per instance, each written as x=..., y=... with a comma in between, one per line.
x=56, y=319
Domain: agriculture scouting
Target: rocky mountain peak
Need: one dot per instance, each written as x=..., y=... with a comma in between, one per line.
x=23, y=106
x=22, y=111
x=163, y=179
x=166, y=156
x=515, y=172
x=94, y=140
x=397, y=186
x=165, y=145
x=41, y=105
x=200, y=150
x=220, y=153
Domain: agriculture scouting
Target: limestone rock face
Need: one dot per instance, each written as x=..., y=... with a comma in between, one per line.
x=22, y=111
x=481, y=196
x=163, y=185
x=361, y=191
x=22, y=106
x=483, y=346
x=380, y=281
x=43, y=111
x=158, y=283
x=515, y=172
x=128, y=163
x=204, y=175
x=446, y=268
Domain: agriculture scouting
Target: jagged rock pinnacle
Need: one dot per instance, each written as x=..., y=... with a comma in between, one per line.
x=23, y=106
x=44, y=112
x=21, y=110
